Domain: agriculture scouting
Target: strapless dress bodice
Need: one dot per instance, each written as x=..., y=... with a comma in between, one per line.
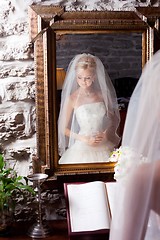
x=90, y=117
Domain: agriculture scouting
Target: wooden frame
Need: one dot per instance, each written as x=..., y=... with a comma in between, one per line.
x=46, y=24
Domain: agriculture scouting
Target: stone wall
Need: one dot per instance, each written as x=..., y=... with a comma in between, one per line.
x=17, y=86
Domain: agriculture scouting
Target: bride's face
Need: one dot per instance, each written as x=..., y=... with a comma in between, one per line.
x=85, y=77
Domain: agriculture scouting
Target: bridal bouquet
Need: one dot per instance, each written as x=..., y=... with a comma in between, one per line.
x=125, y=159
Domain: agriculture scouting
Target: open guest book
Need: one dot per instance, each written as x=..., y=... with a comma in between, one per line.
x=90, y=207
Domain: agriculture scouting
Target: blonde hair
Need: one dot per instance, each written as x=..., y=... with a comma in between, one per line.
x=86, y=62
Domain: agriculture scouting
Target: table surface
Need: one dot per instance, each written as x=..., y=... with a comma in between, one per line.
x=58, y=228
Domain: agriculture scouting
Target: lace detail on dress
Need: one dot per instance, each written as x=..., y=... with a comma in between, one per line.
x=90, y=117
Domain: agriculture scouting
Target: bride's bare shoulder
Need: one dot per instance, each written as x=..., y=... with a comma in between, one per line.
x=74, y=96
x=99, y=96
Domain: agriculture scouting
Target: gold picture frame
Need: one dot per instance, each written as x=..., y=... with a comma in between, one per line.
x=49, y=23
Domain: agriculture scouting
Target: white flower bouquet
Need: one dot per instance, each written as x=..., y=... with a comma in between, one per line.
x=125, y=159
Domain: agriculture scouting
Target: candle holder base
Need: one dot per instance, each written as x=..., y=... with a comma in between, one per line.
x=39, y=230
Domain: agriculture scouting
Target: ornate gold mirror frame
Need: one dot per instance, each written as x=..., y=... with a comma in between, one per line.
x=47, y=23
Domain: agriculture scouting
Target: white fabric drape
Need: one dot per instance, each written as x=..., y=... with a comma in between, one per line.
x=138, y=195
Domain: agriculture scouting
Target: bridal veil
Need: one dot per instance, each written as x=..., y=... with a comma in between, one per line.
x=101, y=84
x=138, y=193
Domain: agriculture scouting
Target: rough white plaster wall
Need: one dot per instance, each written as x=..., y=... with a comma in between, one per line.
x=17, y=87
x=102, y=4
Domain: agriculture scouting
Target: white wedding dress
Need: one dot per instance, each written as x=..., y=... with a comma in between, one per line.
x=90, y=119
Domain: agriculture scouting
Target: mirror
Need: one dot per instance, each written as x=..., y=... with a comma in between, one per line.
x=51, y=28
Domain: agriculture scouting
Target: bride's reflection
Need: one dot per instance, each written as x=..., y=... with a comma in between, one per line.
x=89, y=115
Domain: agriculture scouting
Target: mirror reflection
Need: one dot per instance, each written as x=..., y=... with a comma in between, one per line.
x=89, y=115
x=121, y=54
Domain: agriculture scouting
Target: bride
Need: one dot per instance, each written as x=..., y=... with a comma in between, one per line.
x=89, y=116
x=137, y=215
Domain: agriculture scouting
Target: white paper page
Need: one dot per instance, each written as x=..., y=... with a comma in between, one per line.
x=111, y=190
x=88, y=206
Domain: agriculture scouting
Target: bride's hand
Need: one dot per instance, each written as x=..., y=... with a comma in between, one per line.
x=89, y=140
x=95, y=139
x=100, y=136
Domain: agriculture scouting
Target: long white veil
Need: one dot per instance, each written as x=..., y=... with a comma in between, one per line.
x=138, y=195
x=103, y=85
